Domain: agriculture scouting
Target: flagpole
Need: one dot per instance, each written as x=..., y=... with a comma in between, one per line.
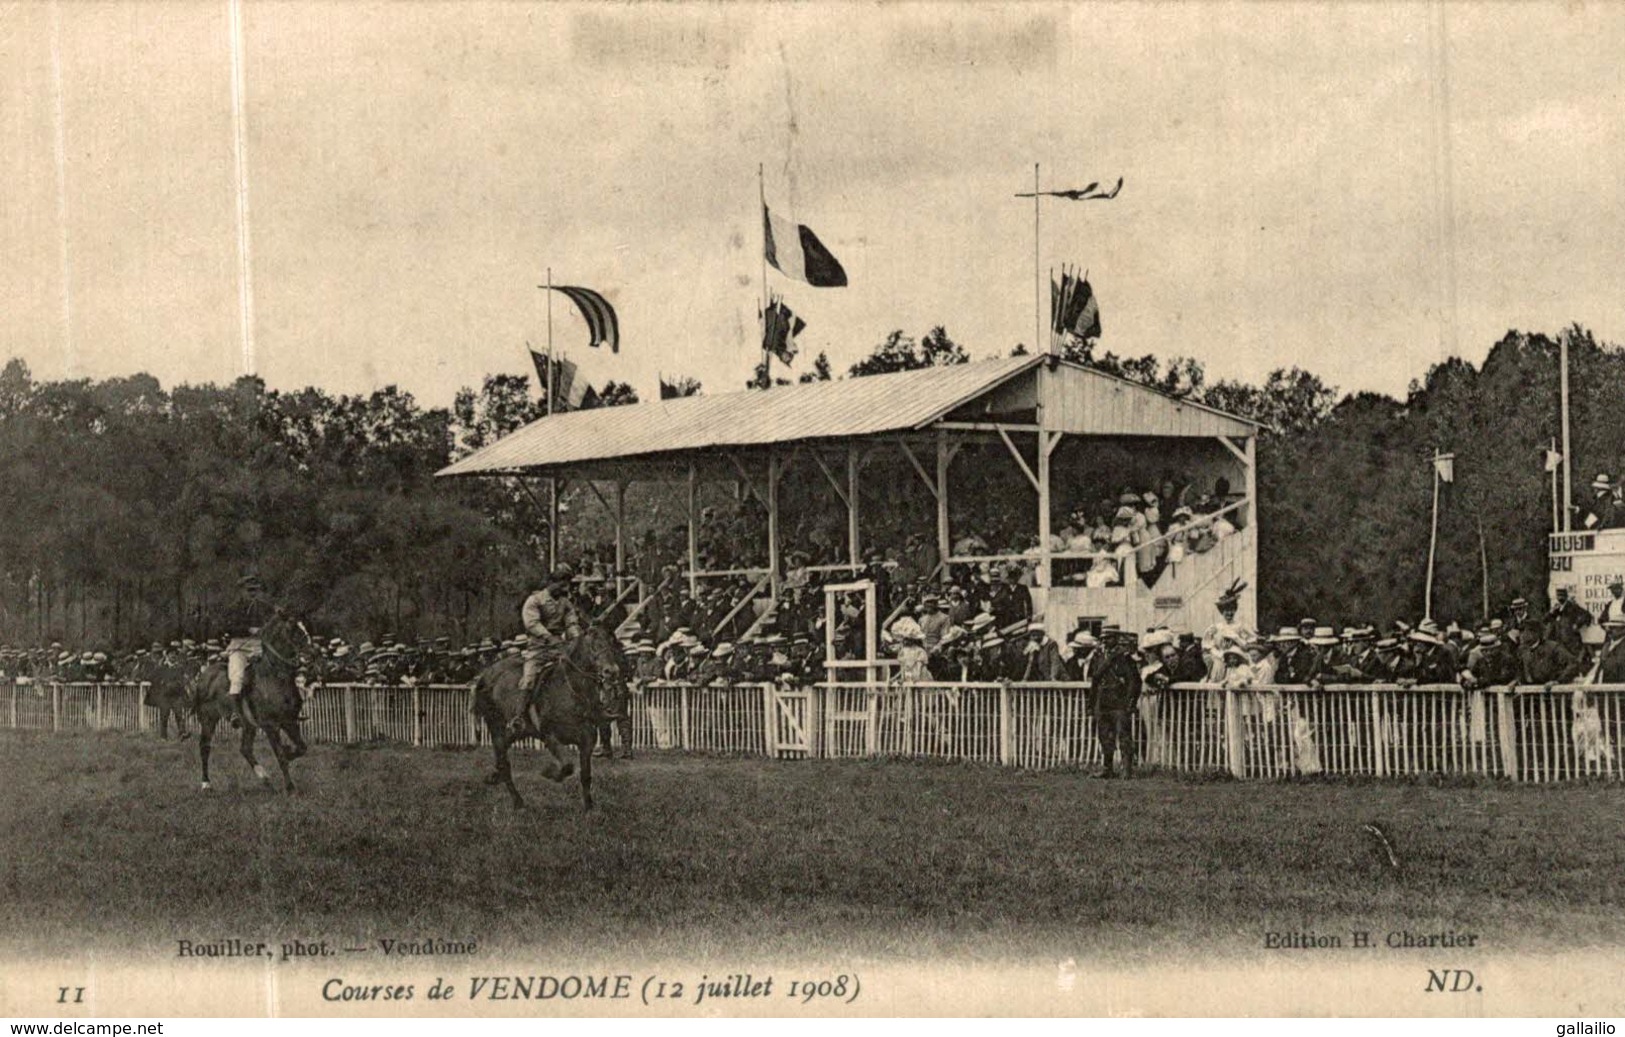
x=1037, y=287
x=1568, y=474
x=552, y=484
x=761, y=299
x=1484, y=565
x=1433, y=540
x=548, y=388
x=1556, y=527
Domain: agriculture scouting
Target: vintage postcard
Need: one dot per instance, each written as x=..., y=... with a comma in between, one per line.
x=835, y=510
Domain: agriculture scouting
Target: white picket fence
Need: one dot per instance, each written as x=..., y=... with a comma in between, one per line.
x=1525, y=734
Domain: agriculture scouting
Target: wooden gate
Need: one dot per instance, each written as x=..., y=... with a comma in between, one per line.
x=791, y=725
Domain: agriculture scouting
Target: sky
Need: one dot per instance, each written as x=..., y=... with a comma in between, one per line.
x=1359, y=190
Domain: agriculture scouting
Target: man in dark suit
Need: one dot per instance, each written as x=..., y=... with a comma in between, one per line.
x=1117, y=691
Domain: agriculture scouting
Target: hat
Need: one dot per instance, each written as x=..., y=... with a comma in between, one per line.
x=1287, y=634
x=1129, y=498
x=695, y=649
x=1084, y=639
x=1490, y=637
x=981, y=621
x=1035, y=627
x=992, y=641
x=1496, y=626
x=1520, y=603
x=1237, y=652
x=1323, y=636
x=1426, y=637
x=1156, y=639
x=722, y=650
x=1124, y=514
x=1601, y=482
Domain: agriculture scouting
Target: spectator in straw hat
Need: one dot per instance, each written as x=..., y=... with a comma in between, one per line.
x=1602, y=511
x=1294, y=660
x=1086, y=657
x=1043, y=656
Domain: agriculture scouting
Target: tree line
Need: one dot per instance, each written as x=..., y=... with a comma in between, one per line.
x=129, y=511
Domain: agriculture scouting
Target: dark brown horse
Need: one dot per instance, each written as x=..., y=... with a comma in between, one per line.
x=168, y=684
x=568, y=708
x=272, y=695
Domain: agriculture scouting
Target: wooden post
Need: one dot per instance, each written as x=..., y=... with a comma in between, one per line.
x=944, y=544
x=417, y=717
x=1006, y=736
x=770, y=741
x=693, y=541
x=552, y=523
x=473, y=721
x=620, y=533
x=1045, y=549
x=56, y=707
x=854, y=545
x=1379, y=746
x=349, y=714
x=1235, y=746
x=14, y=705
x=773, y=521
x=1250, y=617
x=99, y=721
x=682, y=716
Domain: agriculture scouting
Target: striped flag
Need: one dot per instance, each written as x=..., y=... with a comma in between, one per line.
x=795, y=251
x=597, y=312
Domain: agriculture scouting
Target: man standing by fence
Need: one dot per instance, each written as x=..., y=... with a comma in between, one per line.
x=1117, y=691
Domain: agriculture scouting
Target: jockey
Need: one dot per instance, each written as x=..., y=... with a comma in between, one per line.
x=550, y=619
x=243, y=622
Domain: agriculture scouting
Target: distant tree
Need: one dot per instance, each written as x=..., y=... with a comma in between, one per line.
x=901, y=353
x=613, y=394
x=1289, y=403
x=820, y=371
x=679, y=387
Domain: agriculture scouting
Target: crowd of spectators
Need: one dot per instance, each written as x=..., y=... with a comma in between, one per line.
x=978, y=629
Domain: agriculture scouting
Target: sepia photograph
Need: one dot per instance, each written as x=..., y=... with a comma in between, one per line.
x=699, y=510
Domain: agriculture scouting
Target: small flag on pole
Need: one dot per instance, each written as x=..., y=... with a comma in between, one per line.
x=597, y=312
x=1553, y=460
x=1074, y=309
x=566, y=391
x=1444, y=465
x=779, y=330
x=795, y=251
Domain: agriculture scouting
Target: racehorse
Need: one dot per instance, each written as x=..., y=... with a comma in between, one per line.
x=272, y=695
x=168, y=690
x=568, y=708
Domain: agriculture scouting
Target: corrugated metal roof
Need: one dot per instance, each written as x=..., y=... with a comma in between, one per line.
x=818, y=410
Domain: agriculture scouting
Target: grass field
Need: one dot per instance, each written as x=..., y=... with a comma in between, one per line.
x=107, y=839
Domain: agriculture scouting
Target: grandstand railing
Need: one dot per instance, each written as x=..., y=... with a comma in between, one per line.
x=1531, y=734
